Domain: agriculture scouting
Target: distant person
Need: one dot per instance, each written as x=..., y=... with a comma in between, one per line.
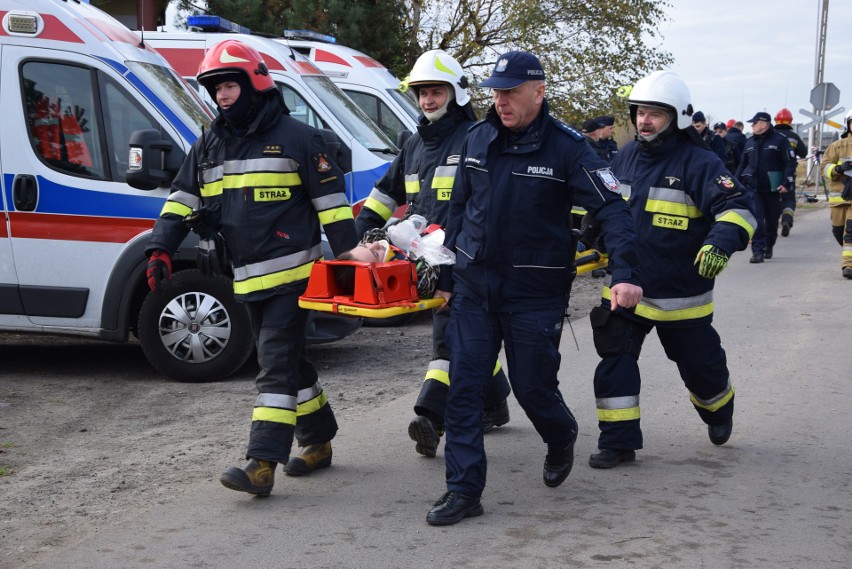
x=422, y=176
x=783, y=124
x=836, y=166
x=690, y=216
x=509, y=225
x=735, y=134
x=592, y=131
x=732, y=149
x=605, y=138
x=767, y=169
x=711, y=139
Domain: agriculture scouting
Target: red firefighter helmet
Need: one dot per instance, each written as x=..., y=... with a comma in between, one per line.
x=784, y=116
x=230, y=56
x=730, y=123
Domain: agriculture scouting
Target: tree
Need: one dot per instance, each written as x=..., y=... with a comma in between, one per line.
x=588, y=49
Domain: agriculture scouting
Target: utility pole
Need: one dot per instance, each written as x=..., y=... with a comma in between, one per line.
x=819, y=67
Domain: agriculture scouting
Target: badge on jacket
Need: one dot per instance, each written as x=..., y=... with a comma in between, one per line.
x=725, y=182
x=323, y=165
x=608, y=179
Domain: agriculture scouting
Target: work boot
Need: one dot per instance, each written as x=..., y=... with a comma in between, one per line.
x=756, y=258
x=558, y=464
x=310, y=458
x=452, y=508
x=785, y=228
x=496, y=416
x=847, y=273
x=256, y=477
x=611, y=457
x=426, y=435
x=719, y=434
x=768, y=253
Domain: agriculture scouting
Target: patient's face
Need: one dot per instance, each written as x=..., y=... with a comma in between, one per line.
x=371, y=252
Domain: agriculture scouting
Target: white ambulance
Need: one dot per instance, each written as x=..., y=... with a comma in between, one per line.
x=365, y=80
x=74, y=85
x=366, y=152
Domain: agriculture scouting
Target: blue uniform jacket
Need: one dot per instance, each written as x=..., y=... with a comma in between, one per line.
x=510, y=214
x=765, y=153
x=681, y=198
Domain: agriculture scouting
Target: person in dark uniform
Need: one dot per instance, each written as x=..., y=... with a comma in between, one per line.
x=784, y=125
x=509, y=225
x=592, y=130
x=690, y=216
x=711, y=139
x=422, y=176
x=605, y=137
x=265, y=183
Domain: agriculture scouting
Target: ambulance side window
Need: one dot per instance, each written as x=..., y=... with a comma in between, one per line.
x=61, y=117
x=299, y=108
x=378, y=112
x=122, y=115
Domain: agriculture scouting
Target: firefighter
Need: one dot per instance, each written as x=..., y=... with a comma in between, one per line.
x=422, y=176
x=266, y=183
x=690, y=216
x=783, y=124
x=836, y=166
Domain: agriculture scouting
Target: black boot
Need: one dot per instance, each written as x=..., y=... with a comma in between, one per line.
x=719, y=434
x=452, y=508
x=611, y=457
x=256, y=477
x=426, y=435
x=558, y=464
x=496, y=416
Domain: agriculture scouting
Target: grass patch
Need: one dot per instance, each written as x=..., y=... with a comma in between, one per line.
x=7, y=445
x=5, y=471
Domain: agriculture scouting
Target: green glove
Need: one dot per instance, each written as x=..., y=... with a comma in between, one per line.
x=711, y=261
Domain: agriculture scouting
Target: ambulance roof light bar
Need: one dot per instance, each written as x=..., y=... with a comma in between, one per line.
x=308, y=35
x=210, y=23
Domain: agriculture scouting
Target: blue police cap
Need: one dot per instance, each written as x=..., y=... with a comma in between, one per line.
x=514, y=68
x=761, y=116
x=699, y=117
x=605, y=120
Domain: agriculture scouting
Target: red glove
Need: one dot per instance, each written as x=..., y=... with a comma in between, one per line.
x=159, y=269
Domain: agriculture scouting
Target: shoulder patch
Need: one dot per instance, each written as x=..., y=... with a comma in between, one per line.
x=609, y=179
x=725, y=183
x=321, y=163
x=573, y=132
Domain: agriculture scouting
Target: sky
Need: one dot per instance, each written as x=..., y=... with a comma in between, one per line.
x=739, y=57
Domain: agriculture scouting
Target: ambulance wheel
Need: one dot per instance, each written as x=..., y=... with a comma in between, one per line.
x=194, y=330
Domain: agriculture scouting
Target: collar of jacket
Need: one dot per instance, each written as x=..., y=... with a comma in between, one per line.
x=446, y=125
x=265, y=118
x=530, y=138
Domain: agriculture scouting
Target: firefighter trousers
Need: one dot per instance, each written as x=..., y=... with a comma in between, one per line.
x=432, y=400
x=531, y=343
x=290, y=401
x=697, y=351
x=841, y=228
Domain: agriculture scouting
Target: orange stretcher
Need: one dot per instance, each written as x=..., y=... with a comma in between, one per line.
x=378, y=290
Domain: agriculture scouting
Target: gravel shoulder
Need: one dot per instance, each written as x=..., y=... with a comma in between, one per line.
x=90, y=435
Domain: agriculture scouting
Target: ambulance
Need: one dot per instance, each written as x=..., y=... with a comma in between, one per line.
x=75, y=84
x=365, y=151
x=366, y=81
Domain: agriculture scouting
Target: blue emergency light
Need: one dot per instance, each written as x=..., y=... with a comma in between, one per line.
x=210, y=23
x=308, y=35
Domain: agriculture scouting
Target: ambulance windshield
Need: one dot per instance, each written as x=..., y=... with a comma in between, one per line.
x=406, y=101
x=173, y=92
x=348, y=113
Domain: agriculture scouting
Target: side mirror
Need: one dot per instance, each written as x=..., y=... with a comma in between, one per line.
x=154, y=160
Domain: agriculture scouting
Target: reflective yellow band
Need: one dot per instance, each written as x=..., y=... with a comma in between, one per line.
x=716, y=403
x=673, y=208
x=261, y=179
x=312, y=406
x=671, y=309
x=378, y=207
x=438, y=375
x=835, y=199
x=497, y=367
x=741, y=218
x=210, y=189
x=615, y=415
x=337, y=214
x=412, y=184
x=176, y=208
x=274, y=415
x=272, y=280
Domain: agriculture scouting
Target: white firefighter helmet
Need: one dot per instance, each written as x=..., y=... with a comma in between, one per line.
x=437, y=66
x=664, y=88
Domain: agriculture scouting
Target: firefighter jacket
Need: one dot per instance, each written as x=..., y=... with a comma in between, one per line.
x=836, y=154
x=681, y=198
x=269, y=191
x=799, y=146
x=768, y=161
x=510, y=214
x=714, y=142
x=421, y=175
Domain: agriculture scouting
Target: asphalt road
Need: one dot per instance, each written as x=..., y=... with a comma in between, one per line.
x=779, y=494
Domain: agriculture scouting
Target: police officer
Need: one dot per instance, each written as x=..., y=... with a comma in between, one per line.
x=736, y=136
x=266, y=183
x=713, y=141
x=836, y=166
x=422, y=176
x=783, y=124
x=767, y=169
x=690, y=216
x=509, y=224
x=605, y=137
x=592, y=129
x=732, y=149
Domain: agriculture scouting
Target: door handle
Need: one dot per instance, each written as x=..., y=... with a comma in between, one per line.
x=25, y=192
